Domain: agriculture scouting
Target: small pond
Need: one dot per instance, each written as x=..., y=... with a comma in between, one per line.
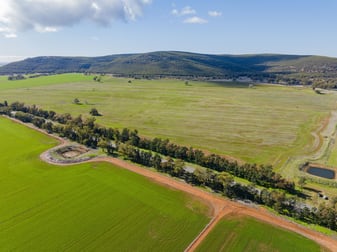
x=321, y=172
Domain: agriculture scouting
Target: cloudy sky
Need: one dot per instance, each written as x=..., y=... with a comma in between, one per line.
x=102, y=27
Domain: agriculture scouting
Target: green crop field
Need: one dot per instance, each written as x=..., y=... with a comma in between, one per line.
x=264, y=124
x=88, y=207
x=237, y=233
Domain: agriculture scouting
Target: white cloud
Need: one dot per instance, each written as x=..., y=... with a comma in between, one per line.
x=46, y=28
x=175, y=12
x=51, y=15
x=215, y=13
x=10, y=35
x=187, y=10
x=195, y=20
x=7, y=59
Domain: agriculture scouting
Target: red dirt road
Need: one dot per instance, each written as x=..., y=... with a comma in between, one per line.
x=220, y=206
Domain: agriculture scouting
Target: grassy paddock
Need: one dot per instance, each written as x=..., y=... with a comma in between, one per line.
x=42, y=81
x=238, y=233
x=92, y=207
x=264, y=124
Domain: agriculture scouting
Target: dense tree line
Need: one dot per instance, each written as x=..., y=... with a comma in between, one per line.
x=259, y=174
x=223, y=183
x=218, y=174
x=87, y=132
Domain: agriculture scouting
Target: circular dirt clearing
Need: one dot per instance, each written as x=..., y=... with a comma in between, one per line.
x=68, y=154
x=71, y=151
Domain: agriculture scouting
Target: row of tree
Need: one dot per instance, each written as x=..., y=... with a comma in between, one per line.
x=258, y=174
x=89, y=133
x=223, y=183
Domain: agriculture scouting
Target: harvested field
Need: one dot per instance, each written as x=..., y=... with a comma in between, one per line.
x=264, y=124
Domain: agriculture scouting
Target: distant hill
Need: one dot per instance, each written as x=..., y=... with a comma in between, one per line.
x=292, y=69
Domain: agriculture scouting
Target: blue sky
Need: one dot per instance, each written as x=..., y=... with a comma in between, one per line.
x=102, y=27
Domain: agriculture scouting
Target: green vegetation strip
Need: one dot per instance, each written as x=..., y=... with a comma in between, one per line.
x=92, y=207
x=238, y=233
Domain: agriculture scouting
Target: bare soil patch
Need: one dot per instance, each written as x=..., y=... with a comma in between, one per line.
x=71, y=154
x=71, y=151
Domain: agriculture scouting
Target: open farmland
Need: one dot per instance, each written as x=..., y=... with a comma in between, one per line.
x=239, y=233
x=264, y=124
x=94, y=206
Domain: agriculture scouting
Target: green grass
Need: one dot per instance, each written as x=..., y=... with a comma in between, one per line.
x=332, y=155
x=239, y=233
x=42, y=81
x=88, y=207
x=265, y=124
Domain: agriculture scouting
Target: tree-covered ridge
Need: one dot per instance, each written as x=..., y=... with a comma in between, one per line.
x=285, y=69
x=277, y=192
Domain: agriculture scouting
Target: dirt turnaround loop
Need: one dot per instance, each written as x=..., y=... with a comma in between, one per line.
x=220, y=206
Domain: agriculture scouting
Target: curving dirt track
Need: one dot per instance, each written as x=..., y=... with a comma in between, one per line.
x=220, y=206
